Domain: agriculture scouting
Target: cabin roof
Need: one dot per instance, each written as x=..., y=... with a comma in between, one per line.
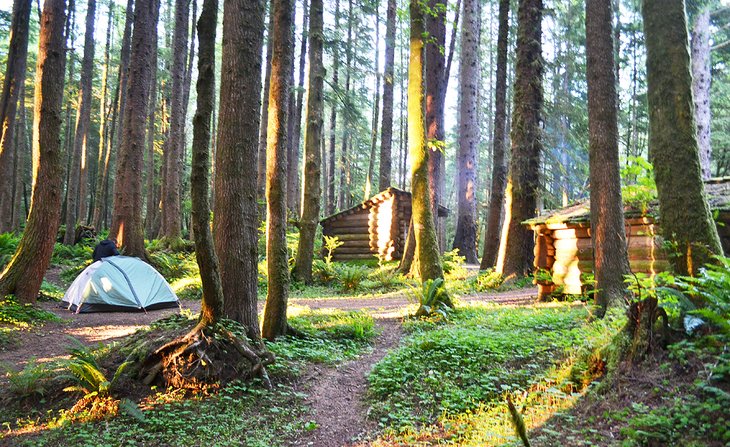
x=374, y=200
x=718, y=196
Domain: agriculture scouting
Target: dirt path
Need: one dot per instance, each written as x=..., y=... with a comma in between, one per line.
x=337, y=395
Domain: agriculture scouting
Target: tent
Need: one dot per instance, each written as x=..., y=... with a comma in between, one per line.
x=119, y=283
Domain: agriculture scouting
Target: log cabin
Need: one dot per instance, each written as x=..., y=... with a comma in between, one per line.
x=375, y=227
x=563, y=244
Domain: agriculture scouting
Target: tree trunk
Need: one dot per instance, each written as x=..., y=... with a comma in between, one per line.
x=264, y=123
x=435, y=98
x=293, y=197
x=275, y=321
x=127, y=226
x=685, y=216
x=24, y=274
x=701, y=80
x=21, y=149
x=98, y=191
x=235, y=218
x=12, y=84
x=423, y=224
x=212, y=305
x=610, y=257
x=466, y=225
x=312, y=146
x=386, y=133
x=499, y=170
x=376, y=109
x=78, y=177
x=172, y=158
x=343, y=198
x=331, y=202
x=152, y=213
x=118, y=110
x=515, y=253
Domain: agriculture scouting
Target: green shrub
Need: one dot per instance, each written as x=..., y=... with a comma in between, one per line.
x=432, y=298
x=174, y=265
x=488, y=280
x=32, y=380
x=8, y=245
x=73, y=254
x=324, y=273
x=453, y=264
x=386, y=278
x=350, y=277
x=88, y=375
x=23, y=315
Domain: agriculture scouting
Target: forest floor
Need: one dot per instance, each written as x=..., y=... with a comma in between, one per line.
x=336, y=399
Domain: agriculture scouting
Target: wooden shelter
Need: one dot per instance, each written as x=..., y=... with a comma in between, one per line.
x=563, y=243
x=375, y=227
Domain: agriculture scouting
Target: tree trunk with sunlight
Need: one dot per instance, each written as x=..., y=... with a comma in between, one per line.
x=24, y=274
x=499, y=169
x=277, y=260
x=515, y=252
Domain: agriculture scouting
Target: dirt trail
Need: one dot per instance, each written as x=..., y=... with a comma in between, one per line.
x=337, y=395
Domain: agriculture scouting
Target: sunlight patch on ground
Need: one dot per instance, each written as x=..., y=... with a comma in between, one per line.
x=103, y=333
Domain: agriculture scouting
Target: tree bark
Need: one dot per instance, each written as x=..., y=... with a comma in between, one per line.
x=343, y=196
x=20, y=209
x=264, y=122
x=118, y=110
x=275, y=320
x=212, y=305
x=12, y=84
x=515, y=253
x=24, y=274
x=423, y=224
x=293, y=196
x=79, y=176
x=235, y=218
x=701, y=80
x=312, y=146
x=331, y=201
x=376, y=109
x=127, y=226
x=152, y=213
x=466, y=226
x=610, y=257
x=435, y=99
x=98, y=191
x=685, y=215
x=499, y=169
x=386, y=133
x=172, y=157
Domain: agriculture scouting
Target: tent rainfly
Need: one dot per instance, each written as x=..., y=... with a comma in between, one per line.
x=119, y=283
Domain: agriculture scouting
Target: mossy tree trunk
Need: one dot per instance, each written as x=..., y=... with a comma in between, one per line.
x=684, y=213
x=610, y=256
x=515, y=253
x=331, y=165
x=423, y=224
x=312, y=146
x=235, y=217
x=264, y=122
x=24, y=274
x=386, y=133
x=701, y=82
x=499, y=169
x=277, y=260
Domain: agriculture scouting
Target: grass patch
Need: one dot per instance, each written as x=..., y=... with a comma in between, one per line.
x=448, y=382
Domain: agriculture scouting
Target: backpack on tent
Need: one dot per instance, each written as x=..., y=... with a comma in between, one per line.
x=119, y=283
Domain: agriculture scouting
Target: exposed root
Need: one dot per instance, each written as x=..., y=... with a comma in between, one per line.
x=207, y=355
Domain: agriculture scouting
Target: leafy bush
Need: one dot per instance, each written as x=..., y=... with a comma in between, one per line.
x=386, y=278
x=488, y=280
x=453, y=264
x=73, y=254
x=87, y=373
x=350, y=277
x=23, y=315
x=323, y=273
x=174, y=265
x=639, y=188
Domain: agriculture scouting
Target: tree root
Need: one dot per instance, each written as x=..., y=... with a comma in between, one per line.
x=207, y=355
